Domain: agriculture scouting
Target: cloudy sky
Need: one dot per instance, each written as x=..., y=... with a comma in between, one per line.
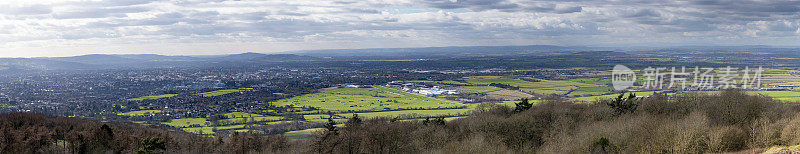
x=32, y=28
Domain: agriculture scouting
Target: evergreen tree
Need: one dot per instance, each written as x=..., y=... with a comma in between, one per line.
x=622, y=104
x=523, y=105
x=353, y=122
x=104, y=137
x=150, y=144
x=331, y=125
x=439, y=121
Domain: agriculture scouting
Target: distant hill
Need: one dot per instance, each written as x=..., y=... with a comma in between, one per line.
x=40, y=64
x=103, y=61
x=258, y=57
x=155, y=57
x=96, y=59
x=399, y=53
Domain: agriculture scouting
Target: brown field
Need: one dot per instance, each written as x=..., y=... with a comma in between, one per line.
x=507, y=95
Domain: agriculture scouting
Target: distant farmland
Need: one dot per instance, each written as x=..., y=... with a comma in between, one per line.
x=355, y=99
x=382, y=101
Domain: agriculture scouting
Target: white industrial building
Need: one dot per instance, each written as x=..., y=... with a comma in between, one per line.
x=434, y=91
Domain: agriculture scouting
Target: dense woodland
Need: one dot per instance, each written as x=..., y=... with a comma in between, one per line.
x=684, y=123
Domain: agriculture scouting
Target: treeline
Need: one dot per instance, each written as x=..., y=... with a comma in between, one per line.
x=39, y=133
x=504, y=86
x=687, y=123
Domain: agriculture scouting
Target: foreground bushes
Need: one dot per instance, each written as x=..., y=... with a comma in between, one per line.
x=38, y=133
x=685, y=123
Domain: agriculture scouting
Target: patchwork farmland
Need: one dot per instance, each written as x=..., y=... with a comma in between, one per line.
x=391, y=101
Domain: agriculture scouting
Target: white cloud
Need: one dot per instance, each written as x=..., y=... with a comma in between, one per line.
x=72, y=27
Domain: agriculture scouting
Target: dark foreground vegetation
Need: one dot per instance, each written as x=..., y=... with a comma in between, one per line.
x=687, y=123
x=684, y=123
x=38, y=133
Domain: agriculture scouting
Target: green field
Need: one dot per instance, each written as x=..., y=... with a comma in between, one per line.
x=789, y=96
x=769, y=77
x=221, y=92
x=487, y=81
x=416, y=113
x=609, y=96
x=210, y=130
x=186, y=122
x=541, y=86
x=361, y=99
x=241, y=117
x=597, y=81
x=578, y=86
x=542, y=91
x=591, y=91
x=152, y=97
x=139, y=113
x=234, y=120
x=479, y=89
x=556, y=85
x=301, y=134
x=341, y=99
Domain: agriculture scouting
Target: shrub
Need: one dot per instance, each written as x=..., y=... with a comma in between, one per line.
x=791, y=132
x=622, y=104
x=727, y=138
x=522, y=105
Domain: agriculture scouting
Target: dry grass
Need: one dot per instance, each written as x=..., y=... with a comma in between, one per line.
x=688, y=123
